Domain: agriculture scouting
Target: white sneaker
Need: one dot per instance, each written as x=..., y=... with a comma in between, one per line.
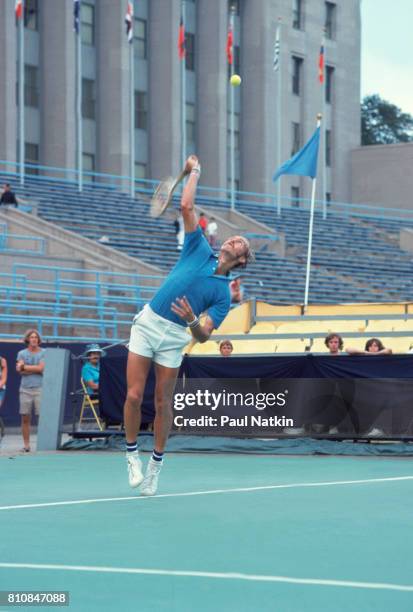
x=134, y=469
x=150, y=482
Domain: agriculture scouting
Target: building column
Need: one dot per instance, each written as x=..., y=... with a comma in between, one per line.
x=164, y=89
x=112, y=89
x=8, y=108
x=258, y=101
x=57, y=85
x=212, y=82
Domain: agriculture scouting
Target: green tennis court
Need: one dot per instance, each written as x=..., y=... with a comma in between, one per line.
x=225, y=532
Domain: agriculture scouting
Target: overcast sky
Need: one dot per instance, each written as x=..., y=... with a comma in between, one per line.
x=387, y=51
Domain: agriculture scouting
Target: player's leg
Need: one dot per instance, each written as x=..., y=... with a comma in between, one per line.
x=136, y=374
x=164, y=390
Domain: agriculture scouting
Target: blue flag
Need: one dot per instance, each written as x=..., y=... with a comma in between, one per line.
x=304, y=162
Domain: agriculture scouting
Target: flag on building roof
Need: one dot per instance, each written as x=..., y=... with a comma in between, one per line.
x=276, y=61
x=18, y=9
x=129, y=21
x=230, y=45
x=76, y=15
x=321, y=65
x=304, y=162
x=181, y=40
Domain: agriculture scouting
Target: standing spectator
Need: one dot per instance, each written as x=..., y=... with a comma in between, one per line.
x=91, y=369
x=212, y=231
x=203, y=222
x=225, y=348
x=30, y=366
x=8, y=197
x=3, y=381
x=179, y=231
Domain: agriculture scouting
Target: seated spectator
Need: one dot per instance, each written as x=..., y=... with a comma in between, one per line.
x=374, y=346
x=8, y=197
x=203, y=222
x=334, y=343
x=237, y=291
x=212, y=232
x=225, y=348
x=91, y=369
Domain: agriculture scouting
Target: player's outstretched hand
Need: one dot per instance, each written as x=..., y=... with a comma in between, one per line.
x=182, y=308
x=191, y=163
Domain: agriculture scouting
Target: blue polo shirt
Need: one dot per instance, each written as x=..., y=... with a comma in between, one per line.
x=90, y=373
x=194, y=276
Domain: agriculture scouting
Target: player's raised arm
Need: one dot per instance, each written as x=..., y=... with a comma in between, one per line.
x=189, y=216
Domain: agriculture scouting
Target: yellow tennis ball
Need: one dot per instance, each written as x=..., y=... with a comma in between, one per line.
x=235, y=80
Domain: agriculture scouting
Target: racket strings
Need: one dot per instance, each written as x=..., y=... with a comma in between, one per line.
x=161, y=197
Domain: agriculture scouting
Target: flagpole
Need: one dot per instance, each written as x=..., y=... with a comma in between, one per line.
x=232, y=125
x=183, y=95
x=310, y=234
x=132, y=119
x=323, y=139
x=79, y=133
x=279, y=118
x=21, y=95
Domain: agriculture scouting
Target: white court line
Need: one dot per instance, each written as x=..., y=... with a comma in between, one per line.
x=216, y=575
x=297, y=485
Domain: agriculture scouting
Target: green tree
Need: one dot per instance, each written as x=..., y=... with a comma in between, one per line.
x=383, y=122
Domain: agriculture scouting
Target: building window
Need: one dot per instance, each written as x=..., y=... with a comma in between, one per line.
x=140, y=38
x=140, y=170
x=31, y=156
x=295, y=196
x=296, y=138
x=141, y=110
x=31, y=14
x=297, y=14
x=88, y=99
x=190, y=123
x=88, y=163
x=297, y=72
x=190, y=51
x=329, y=84
x=236, y=184
x=328, y=148
x=31, y=86
x=330, y=20
x=87, y=15
x=234, y=6
x=236, y=131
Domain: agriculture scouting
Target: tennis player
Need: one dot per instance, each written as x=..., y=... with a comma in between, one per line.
x=199, y=283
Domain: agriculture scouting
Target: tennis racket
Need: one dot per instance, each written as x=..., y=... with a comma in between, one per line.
x=163, y=194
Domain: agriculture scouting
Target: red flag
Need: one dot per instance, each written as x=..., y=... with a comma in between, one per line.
x=321, y=65
x=18, y=9
x=230, y=41
x=181, y=40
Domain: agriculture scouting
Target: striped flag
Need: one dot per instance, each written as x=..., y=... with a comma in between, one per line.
x=181, y=40
x=230, y=45
x=129, y=21
x=276, y=61
x=321, y=65
x=76, y=15
x=18, y=9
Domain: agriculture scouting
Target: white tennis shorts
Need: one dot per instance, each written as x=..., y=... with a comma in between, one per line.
x=157, y=338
